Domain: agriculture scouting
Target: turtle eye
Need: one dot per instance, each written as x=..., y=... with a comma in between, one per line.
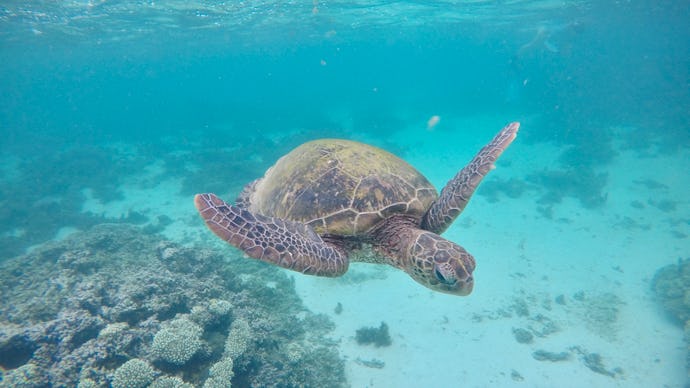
x=442, y=278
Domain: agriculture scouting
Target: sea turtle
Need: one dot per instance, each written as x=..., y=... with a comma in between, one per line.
x=329, y=202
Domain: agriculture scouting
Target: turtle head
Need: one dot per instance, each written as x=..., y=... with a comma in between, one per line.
x=441, y=265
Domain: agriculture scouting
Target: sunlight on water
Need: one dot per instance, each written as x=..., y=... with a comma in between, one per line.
x=103, y=21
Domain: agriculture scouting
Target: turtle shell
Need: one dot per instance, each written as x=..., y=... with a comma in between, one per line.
x=341, y=187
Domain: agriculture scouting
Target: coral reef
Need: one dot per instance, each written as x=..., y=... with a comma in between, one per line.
x=170, y=382
x=90, y=310
x=583, y=184
x=672, y=287
x=220, y=375
x=64, y=170
x=238, y=338
x=134, y=373
x=26, y=376
x=552, y=186
x=178, y=341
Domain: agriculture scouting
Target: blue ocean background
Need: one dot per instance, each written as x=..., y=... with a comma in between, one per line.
x=121, y=111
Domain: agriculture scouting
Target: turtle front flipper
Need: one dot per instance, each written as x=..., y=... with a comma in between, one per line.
x=288, y=244
x=457, y=193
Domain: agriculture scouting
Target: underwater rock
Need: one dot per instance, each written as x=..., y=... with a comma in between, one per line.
x=543, y=355
x=595, y=362
x=523, y=336
x=560, y=299
x=77, y=311
x=373, y=363
x=372, y=335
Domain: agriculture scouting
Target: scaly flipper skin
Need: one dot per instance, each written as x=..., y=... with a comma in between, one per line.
x=289, y=244
x=458, y=191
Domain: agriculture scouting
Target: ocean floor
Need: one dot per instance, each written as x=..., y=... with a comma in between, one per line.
x=562, y=296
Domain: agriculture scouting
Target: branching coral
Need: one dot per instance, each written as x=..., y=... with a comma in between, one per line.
x=169, y=382
x=178, y=341
x=211, y=312
x=134, y=373
x=220, y=374
x=238, y=338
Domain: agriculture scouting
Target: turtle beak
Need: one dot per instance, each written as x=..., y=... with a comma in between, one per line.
x=466, y=286
x=460, y=287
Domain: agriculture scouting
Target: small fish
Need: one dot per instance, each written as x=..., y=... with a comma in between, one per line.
x=433, y=121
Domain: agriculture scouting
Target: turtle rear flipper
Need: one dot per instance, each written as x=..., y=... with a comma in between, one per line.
x=458, y=191
x=289, y=244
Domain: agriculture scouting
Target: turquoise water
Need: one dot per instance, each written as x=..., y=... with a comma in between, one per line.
x=119, y=112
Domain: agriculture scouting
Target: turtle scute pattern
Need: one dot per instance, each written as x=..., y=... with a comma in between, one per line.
x=340, y=187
